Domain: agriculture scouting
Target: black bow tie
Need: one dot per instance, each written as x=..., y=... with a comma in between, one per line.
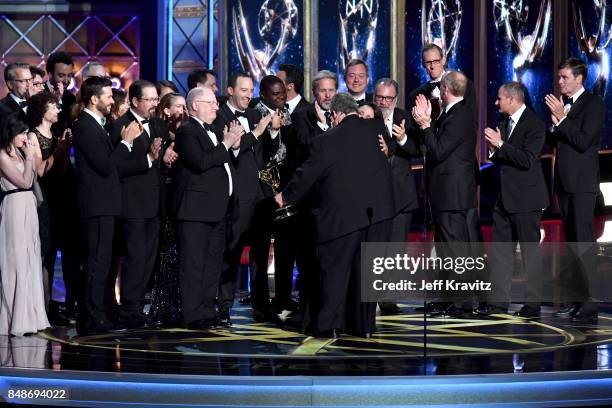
x=23, y=104
x=287, y=106
x=208, y=127
x=360, y=102
x=433, y=85
x=239, y=114
x=567, y=100
x=144, y=122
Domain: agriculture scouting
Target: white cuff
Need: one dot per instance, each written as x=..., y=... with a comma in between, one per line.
x=323, y=126
x=149, y=160
x=129, y=146
x=402, y=141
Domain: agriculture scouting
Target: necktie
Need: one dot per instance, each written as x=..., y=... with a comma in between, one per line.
x=509, y=127
x=103, y=121
x=23, y=104
x=328, y=118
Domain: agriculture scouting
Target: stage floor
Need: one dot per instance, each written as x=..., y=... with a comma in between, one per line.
x=401, y=346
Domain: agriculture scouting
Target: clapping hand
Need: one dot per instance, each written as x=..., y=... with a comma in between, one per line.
x=131, y=132
x=170, y=156
x=155, y=148
x=556, y=106
x=399, y=131
x=383, y=146
x=421, y=112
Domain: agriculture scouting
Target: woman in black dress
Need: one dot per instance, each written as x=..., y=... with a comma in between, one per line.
x=165, y=298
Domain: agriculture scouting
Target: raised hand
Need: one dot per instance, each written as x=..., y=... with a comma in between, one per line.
x=399, y=131
x=131, y=132
x=262, y=125
x=556, y=106
x=170, y=156
x=155, y=148
x=277, y=120
x=493, y=137
x=383, y=146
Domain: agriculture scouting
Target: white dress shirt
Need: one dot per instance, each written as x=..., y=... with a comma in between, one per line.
x=215, y=142
x=293, y=103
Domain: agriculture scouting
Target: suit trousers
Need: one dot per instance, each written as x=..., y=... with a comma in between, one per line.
x=100, y=232
x=200, y=247
x=577, y=212
x=508, y=229
x=141, y=238
x=339, y=261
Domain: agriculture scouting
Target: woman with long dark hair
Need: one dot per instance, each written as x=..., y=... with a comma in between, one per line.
x=22, y=298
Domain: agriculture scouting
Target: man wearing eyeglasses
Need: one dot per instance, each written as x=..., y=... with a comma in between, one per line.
x=60, y=67
x=397, y=121
x=139, y=172
x=18, y=79
x=356, y=76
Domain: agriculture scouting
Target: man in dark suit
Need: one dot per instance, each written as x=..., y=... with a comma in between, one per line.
x=451, y=150
x=515, y=148
x=140, y=193
x=99, y=195
x=579, y=118
x=352, y=200
x=204, y=185
x=356, y=77
x=18, y=79
x=248, y=160
x=293, y=77
x=296, y=233
x=60, y=70
x=404, y=188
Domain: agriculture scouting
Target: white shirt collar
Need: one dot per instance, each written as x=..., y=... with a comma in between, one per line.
x=517, y=115
x=16, y=98
x=450, y=105
x=137, y=116
x=577, y=94
x=293, y=103
x=201, y=122
x=232, y=108
x=359, y=97
x=94, y=115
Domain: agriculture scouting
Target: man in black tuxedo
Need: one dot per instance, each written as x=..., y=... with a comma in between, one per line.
x=515, y=147
x=404, y=187
x=451, y=153
x=293, y=77
x=60, y=70
x=248, y=160
x=140, y=193
x=18, y=79
x=99, y=195
x=352, y=200
x=296, y=232
x=356, y=77
x=579, y=118
x=204, y=185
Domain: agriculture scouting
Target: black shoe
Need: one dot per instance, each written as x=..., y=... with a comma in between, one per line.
x=327, y=334
x=568, y=311
x=224, y=318
x=528, y=312
x=389, y=309
x=203, y=324
x=584, y=317
x=485, y=309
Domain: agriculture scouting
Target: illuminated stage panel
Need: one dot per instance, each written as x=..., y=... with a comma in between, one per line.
x=520, y=48
x=589, y=39
x=355, y=29
x=447, y=23
x=264, y=34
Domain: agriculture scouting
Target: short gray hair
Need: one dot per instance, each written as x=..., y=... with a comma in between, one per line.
x=192, y=95
x=88, y=68
x=456, y=82
x=515, y=90
x=387, y=82
x=344, y=103
x=323, y=74
x=9, y=71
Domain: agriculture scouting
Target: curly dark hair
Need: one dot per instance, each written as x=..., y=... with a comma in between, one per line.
x=38, y=106
x=10, y=126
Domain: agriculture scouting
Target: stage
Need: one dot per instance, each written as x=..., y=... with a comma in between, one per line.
x=471, y=360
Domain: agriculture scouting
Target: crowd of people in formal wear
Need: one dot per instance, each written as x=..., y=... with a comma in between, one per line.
x=166, y=190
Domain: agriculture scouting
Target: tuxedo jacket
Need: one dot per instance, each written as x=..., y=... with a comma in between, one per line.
x=140, y=184
x=523, y=188
x=201, y=184
x=302, y=104
x=99, y=191
x=9, y=106
x=304, y=129
x=251, y=157
x=451, y=154
x=350, y=179
x=404, y=186
x=577, y=139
